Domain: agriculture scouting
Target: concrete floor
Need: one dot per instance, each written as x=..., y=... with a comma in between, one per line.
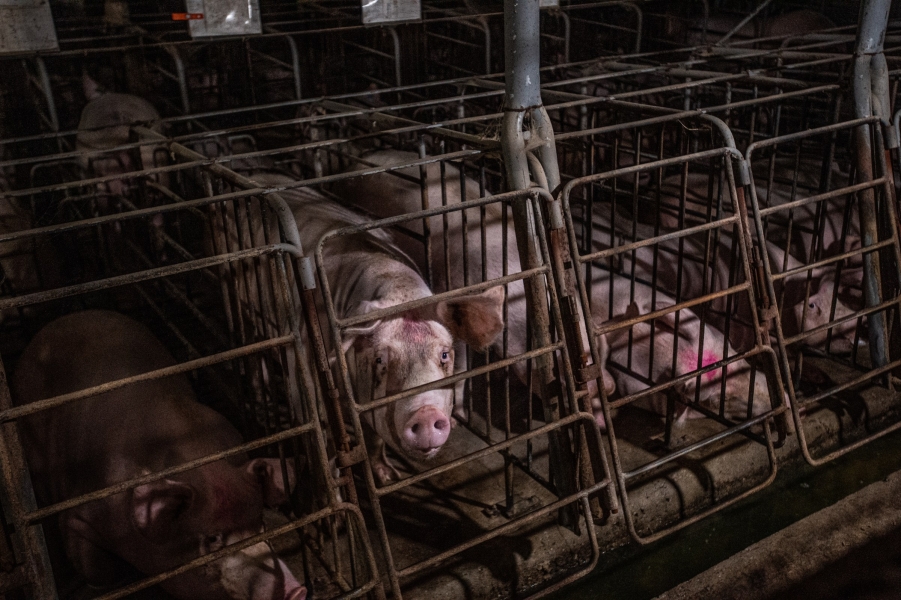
x=850, y=550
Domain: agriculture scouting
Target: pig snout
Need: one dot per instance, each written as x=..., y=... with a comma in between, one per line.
x=427, y=430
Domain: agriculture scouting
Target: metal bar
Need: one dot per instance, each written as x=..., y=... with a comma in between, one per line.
x=20, y=495
x=743, y=22
x=870, y=38
x=19, y=412
x=256, y=539
x=523, y=97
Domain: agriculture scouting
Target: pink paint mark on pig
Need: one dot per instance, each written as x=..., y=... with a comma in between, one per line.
x=710, y=357
x=690, y=363
x=416, y=330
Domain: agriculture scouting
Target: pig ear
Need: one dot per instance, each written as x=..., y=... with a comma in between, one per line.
x=157, y=506
x=477, y=320
x=90, y=86
x=351, y=335
x=268, y=472
x=632, y=311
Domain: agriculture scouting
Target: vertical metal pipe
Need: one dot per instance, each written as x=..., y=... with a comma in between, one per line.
x=523, y=99
x=182, y=79
x=295, y=65
x=397, y=54
x=48, y=92
x=870, y=37
x=14, y=477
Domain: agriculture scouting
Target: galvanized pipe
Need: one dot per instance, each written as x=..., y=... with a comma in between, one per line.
x=867, y=79
x=522, y=98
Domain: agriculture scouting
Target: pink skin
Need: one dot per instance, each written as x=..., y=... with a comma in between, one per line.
x=105, y=123
x=741, y=335
x=687, y=343
x=427, y=429
x=367, y=273
x=386, y=195
x=134, y=430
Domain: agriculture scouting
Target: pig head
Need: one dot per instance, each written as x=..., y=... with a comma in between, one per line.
x=136, y=430
x=368, y=272
x=106, y=123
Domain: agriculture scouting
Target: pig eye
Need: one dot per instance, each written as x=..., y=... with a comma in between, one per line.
x=378, y=360
x=211, y=543
x=812, y=305
x=444, y=357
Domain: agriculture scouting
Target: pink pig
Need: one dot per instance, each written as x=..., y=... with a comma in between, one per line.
x=135, y=430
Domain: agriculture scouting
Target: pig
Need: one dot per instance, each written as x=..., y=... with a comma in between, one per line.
x=369, y=272
x=26, y=264
x=796, y=318
x=612, y=298
x=386, y=195
x=135, y=430
x=106, y=123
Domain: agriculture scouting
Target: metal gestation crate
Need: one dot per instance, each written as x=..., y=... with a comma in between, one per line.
x=811, y=202
x=687, y=277
x=251, y=366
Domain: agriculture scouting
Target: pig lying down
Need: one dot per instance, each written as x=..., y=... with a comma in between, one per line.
x=647, y=362
x=135, y=430
x=367, y=272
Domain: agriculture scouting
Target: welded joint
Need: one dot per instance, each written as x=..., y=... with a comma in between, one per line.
x=354, y=456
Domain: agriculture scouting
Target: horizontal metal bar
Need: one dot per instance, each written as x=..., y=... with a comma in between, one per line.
x=43, y=513
x=649, y=166
x=701, y=444
x=832, y=259
x=831, y=324
x=655, y=389
x=391, y=311
x=478, y=454
x=452, y=379
x=141, y=276
x=868, y=376
x=673, y=235
x=605, y=328
x=24, y=410
x=776, y=208
x=256, y=539
x=791, y=137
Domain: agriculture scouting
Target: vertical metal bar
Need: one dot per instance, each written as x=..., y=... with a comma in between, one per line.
x=396, y=39
x=870, y=37
x=48, y=92
x=522, y=99
x=182, y=80
x=16, y=480
x=295, y=65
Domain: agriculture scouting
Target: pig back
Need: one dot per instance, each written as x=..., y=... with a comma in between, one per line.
x=89, y=443
x=386, y=195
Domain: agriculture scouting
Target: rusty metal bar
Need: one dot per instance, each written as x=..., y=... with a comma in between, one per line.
x=20, y=495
